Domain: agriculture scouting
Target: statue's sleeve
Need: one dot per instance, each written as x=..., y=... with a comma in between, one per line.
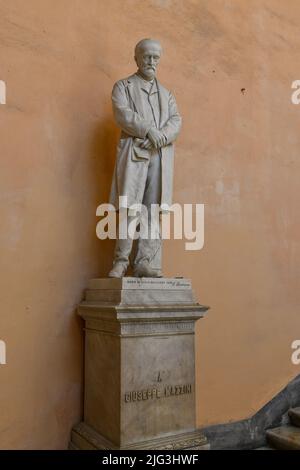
x=129, y=120
x=173, y=125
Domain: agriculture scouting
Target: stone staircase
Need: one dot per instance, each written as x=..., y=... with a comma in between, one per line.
x=286, y=437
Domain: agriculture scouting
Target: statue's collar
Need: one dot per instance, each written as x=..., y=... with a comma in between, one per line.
x=137, y=80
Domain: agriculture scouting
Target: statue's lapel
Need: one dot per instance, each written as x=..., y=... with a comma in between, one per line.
x=164, y=103
x=134, y=90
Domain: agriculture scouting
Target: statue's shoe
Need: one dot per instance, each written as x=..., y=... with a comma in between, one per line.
x=144, y=270
x=118, y=270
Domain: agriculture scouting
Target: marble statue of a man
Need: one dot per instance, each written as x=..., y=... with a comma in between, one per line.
x=149, y=120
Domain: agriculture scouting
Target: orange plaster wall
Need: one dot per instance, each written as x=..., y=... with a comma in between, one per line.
x=238, y=153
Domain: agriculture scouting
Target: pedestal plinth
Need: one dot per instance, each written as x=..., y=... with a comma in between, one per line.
x=139, y=365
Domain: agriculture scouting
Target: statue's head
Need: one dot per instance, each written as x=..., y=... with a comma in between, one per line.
x=147, y=54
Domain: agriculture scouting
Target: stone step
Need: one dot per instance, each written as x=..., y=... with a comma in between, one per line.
x=294, y=414
x=284, y=437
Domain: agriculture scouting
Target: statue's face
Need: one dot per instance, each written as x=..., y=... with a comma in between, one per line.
x=147, y=59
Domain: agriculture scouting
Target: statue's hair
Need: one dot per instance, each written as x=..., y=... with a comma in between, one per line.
x=140, y=45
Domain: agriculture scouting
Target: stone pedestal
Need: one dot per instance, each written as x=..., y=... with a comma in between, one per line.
x=139, y=365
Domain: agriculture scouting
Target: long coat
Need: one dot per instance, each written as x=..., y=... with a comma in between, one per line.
x=132, y=162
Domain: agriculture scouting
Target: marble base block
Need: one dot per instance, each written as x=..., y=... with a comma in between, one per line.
x=139, y=365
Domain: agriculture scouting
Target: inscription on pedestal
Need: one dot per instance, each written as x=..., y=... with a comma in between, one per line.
x=154, y=393
x=145, y=283
x=128, y=283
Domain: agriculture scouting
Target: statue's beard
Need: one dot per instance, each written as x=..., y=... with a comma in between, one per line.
x=149, y=72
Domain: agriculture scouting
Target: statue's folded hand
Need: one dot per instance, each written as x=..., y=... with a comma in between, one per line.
x=156, y=137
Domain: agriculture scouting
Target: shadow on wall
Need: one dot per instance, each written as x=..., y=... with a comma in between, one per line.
x=100, y=150
x=103, y=153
